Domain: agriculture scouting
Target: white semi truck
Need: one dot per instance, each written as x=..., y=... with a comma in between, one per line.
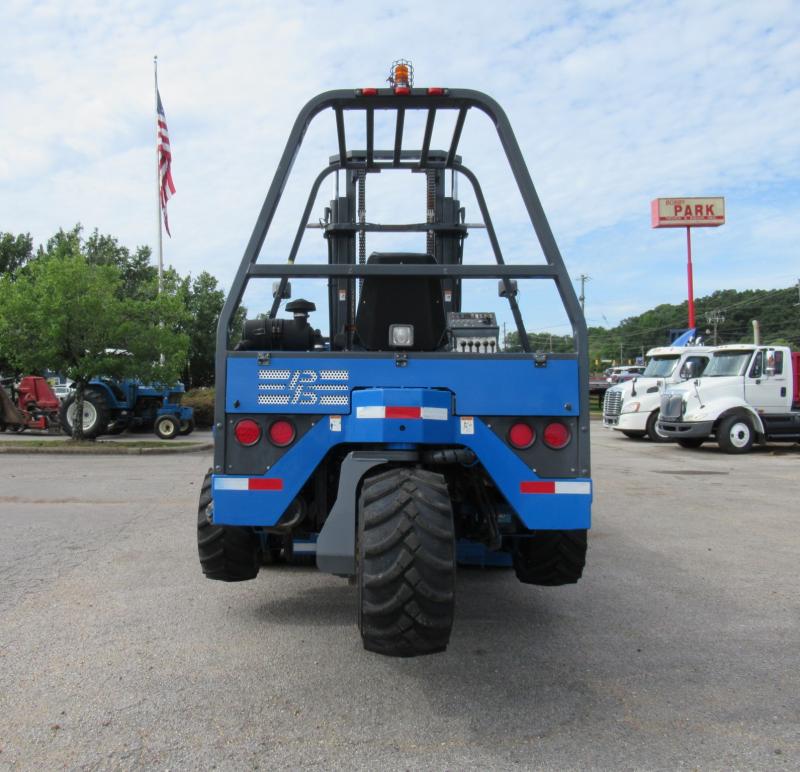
x=748, y=393
x=633, y=407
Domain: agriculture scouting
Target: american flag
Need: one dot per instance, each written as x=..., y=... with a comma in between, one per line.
x=166, y=185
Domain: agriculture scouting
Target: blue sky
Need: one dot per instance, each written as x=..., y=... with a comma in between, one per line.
x=613, y=103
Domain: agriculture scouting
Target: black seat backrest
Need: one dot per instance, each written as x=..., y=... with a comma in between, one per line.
x=390, y=300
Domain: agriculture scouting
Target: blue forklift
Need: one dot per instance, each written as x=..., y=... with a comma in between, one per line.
x=405, y=427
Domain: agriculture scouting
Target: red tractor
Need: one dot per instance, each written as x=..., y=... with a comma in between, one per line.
x=32, y=405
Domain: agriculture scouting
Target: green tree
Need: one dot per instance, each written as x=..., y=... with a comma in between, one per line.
x=65, y=313
x=15, y=251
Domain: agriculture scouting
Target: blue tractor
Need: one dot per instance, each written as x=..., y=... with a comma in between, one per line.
x=111, y=407
x=405, y=427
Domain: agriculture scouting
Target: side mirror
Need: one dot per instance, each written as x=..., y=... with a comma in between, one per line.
x=507, y=288
x=287, y=290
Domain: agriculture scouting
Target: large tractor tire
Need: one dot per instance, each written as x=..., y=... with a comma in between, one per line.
x=691, y=442
x=187, y=427
x=551, y=558
x=227, y=553
x=96, y=414
x=406, y=562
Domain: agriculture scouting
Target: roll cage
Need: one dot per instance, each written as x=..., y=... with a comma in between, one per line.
x=345, y=269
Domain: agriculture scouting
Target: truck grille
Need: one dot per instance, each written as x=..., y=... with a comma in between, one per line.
x=671, y=406
x=612, y=403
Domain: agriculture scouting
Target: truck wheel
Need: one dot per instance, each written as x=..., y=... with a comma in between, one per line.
x=96, y=414
x=227, y=553
x=633, y=435
x=691, y=442
x=406, y=563
x=652, y=429
x=187, y=427
x=550, y=558
x=166, y=427
x=735, y=434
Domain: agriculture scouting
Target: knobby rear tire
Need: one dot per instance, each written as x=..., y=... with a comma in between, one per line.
x=227, y=553
x=406, y=562
x=550, y=558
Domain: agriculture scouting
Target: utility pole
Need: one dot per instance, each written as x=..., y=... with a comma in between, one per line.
x=620, y=352
x=715, y=318
x=798, y=293
x=583, y=278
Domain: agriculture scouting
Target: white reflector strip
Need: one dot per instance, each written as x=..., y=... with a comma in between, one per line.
x=426, y=413
x=584, y=488
x=231, y=484
x=371, y=411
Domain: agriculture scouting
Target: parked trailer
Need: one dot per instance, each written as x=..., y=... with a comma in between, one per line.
x=405, y=427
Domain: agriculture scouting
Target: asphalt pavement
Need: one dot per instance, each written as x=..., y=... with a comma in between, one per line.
x=680, y=648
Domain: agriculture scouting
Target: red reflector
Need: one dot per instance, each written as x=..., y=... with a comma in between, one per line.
x=247, y=432
x=369, y=91
x=281, y=433
x=403, y=412
x=435, y=91
x=402, y=90
x=264, y=484
x=521, y=435
x=556, y=435
x=537, y=487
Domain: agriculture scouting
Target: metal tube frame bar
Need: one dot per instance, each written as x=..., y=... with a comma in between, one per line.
x=419, y=99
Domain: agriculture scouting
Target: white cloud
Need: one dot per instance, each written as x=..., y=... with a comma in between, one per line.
x=613, y=104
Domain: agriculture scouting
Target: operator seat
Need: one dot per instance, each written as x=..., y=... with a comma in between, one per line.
x=387, y=300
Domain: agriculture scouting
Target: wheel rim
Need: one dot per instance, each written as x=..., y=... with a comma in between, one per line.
x=739, y=434
x=167, y=428
x=661, y=435
x=89, y=415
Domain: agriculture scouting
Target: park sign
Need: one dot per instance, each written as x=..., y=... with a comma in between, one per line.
x=687, y=212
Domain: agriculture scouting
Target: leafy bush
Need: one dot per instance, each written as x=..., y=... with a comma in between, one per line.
x=202, y=400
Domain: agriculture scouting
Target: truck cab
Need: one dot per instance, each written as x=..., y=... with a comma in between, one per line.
x=633, y=407
x=748, y=393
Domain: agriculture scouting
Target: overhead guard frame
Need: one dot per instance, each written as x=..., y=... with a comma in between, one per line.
x=461, y=100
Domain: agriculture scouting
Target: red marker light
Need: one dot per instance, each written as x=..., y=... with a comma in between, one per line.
x=521, y=436
x=247, y=432
x=435, y=91
x=369, y=91
x=556, y=435
x=281, y=433
x=402, y=90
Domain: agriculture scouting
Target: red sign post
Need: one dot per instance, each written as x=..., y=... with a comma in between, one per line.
x=688, y=213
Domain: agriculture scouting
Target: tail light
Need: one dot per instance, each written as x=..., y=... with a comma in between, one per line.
x=282, y=433
x=247, y=432
x=521, y=435
x=556, y=435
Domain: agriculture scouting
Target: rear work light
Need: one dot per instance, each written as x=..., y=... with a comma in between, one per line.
x=521, y=435
x=556, y=435
x=281, y=433
x=247, y=432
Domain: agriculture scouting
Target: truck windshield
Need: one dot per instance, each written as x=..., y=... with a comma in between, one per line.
x=727, y=363
x=660, y=367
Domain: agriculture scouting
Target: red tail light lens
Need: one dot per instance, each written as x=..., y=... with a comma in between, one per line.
x=402, y=90
x=281, y=433
x=368, y=91
x=521, y=436
x=247, y=432
x=556, y=435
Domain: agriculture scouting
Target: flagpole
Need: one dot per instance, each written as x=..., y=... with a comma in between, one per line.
x=158, y=185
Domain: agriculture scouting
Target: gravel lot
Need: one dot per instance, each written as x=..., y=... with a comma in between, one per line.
x=680, y=648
